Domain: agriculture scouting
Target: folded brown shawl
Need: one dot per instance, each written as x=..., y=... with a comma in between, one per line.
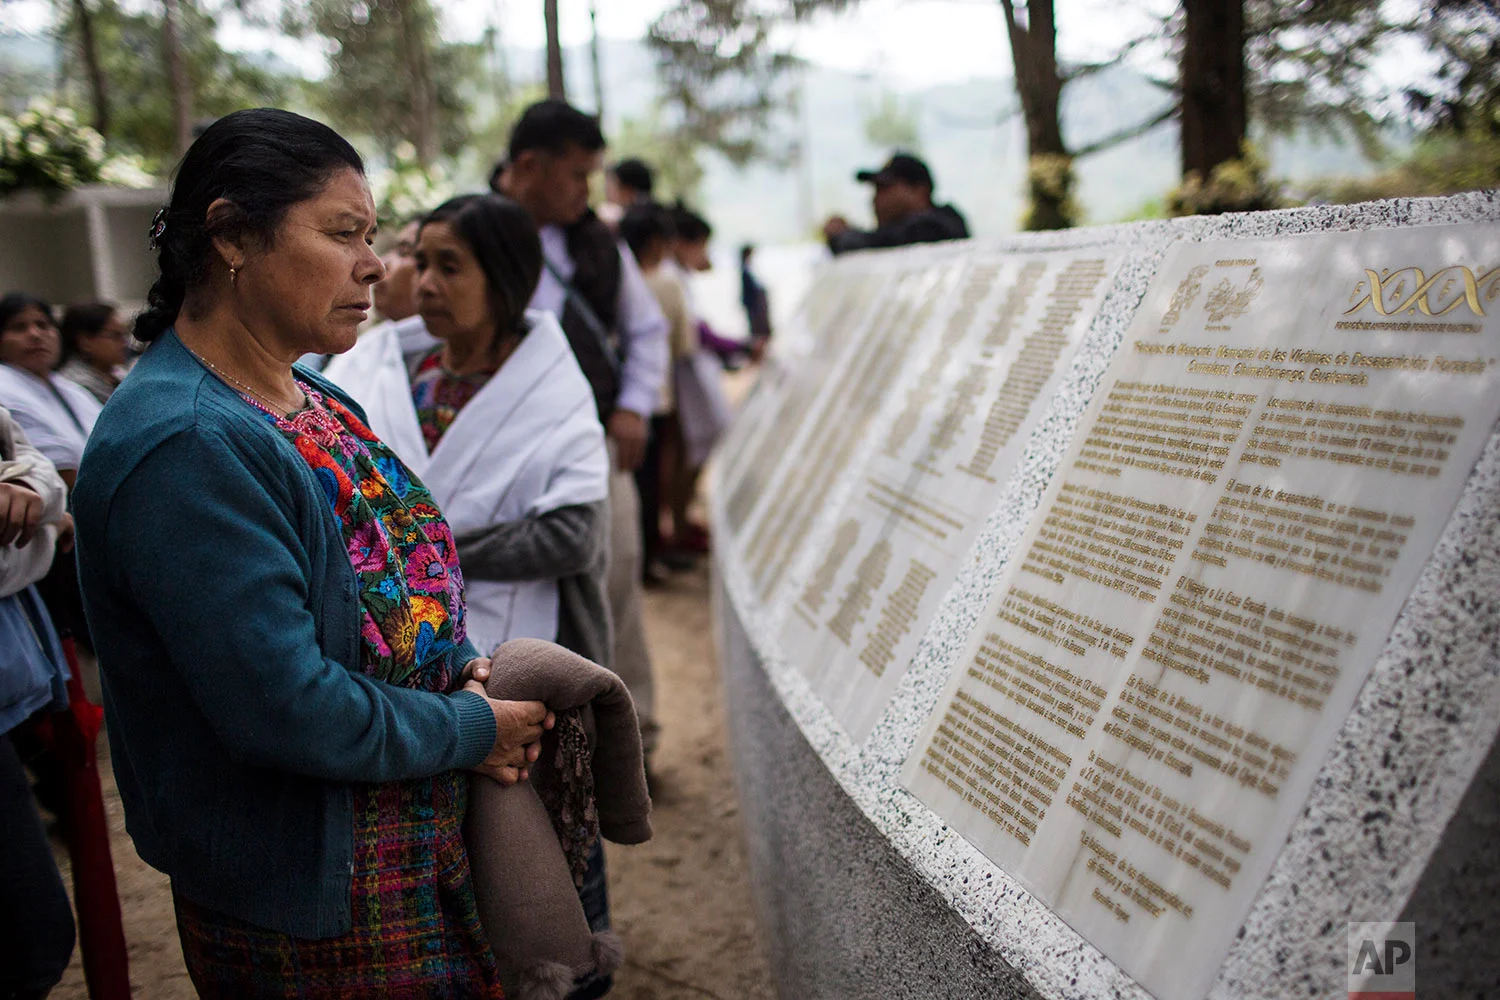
x=528, y=843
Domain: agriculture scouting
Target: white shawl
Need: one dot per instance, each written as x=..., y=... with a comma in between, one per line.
x=45, y=417
x=23, y=464
x=528, y=442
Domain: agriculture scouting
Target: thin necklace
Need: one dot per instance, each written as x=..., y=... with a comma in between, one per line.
x=241, y=385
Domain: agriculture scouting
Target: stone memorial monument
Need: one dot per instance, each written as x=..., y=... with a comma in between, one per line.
x=1116, y=613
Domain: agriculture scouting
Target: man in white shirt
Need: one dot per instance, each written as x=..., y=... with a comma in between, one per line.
x=617, y=332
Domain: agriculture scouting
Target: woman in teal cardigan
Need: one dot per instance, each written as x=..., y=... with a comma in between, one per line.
x=290, y=696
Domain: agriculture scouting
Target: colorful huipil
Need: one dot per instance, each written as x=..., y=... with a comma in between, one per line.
x=439, y=395
x=416, y=930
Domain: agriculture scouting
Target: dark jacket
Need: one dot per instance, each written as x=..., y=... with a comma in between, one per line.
x=592, y=326
x=219, y=588
x=941, y=222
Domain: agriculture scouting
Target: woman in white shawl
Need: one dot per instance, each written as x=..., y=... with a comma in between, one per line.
x=497, y=420
x=56, y=415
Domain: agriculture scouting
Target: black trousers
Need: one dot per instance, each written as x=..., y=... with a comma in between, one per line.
x=36, y=922
x=648, y=484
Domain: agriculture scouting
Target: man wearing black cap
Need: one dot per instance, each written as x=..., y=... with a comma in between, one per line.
x=904, y=211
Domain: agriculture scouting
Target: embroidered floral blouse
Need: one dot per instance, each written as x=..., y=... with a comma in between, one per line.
x=439, y=395
x=410, y=588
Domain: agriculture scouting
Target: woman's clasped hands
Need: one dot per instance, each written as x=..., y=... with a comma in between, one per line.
x=518, y=728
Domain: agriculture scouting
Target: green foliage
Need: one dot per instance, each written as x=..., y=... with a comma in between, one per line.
x=141, y=113
x=46, y=149
x=498, y=105
x=723, y=79
x=894, y=123
x=393, y=78
x=1049, y=182
x=725, y=74
x=405, y=189
x=1442, y=163
x=21, y=80
x=1464, y=97
x=672, y=154
x=1309, y=66
x=1238, y=185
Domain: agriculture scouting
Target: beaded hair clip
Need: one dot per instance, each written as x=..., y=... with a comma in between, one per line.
x=158, y=227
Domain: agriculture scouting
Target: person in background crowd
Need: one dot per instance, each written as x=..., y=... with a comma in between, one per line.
x=499, y=422
x=904, y=210
x=627, y=183
x=36, y=920
x=617, y=333
x=291, y=696
x=756, y=303
x=690, y=256
x=395, y=295
x=95, y=345
x=395, y=298
x=56, y=414
x=647, y=229
x=690, y=247
x=702, y=412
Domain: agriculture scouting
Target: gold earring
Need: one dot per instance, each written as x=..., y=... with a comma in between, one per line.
x=233, y=273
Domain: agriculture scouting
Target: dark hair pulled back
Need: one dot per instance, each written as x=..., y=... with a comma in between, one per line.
x=643, y=222
x=691, y=227
x=13, y=304
x=84, y=319
x=262, y=161
x=505, y=242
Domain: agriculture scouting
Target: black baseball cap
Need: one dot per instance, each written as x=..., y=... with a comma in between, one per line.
x=903, y=168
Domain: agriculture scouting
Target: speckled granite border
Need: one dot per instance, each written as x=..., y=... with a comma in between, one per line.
x=1423, y=724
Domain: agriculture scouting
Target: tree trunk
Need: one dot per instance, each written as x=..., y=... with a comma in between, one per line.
x=555, y=87
x=1213, y=85
x=177, y=82
x=1034, y=54
x=594, y=56
x=89, y=45
x=421, y=90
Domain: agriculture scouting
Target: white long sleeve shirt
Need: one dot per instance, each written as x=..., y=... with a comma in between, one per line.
x=642, y=327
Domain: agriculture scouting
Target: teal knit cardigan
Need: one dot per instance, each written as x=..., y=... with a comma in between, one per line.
x=224, y=608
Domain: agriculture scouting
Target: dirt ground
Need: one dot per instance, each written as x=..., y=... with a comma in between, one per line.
x=680, y=902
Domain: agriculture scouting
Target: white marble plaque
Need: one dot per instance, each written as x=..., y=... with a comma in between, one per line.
x=821, y=441
x=822, y=333
x=1179, y=635
x=925, y=493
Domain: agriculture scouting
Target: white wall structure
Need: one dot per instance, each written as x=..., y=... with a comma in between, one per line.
x=1116, y=612
x=89, y=245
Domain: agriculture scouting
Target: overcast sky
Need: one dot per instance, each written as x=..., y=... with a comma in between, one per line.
x=909, y=42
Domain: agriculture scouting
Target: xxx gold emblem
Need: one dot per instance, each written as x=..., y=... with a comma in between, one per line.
x=1433, y=295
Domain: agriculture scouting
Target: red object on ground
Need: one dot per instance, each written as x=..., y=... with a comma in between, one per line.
x=693, y=538
x=101, y=933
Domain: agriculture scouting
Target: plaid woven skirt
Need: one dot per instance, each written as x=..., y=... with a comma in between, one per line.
x=416, y=933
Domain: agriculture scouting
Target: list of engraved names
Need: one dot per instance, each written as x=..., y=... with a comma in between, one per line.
x=1223, y=549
